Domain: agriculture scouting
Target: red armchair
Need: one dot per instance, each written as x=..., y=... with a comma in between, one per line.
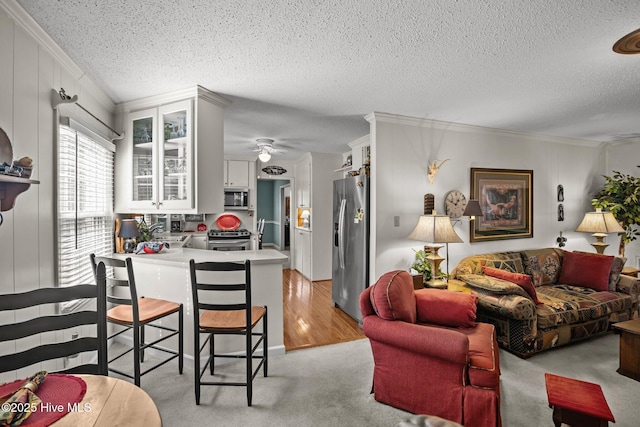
x=430, y=357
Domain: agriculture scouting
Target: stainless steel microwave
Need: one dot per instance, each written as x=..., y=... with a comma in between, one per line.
x=236, y=200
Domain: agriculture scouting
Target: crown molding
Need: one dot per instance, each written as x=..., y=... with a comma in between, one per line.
x=178, y=95
x=363, y=140
x=17, y=13
x=461, y=127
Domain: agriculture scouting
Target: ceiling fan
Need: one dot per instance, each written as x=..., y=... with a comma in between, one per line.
x=265, y=148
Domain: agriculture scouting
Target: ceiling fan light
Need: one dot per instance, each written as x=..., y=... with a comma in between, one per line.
x=264, y=156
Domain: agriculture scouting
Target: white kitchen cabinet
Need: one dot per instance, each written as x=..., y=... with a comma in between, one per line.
x=303, y=182
x=171, y=158
x=314, y=175
x=236, y=173
x=253, y=200
x=303, y=258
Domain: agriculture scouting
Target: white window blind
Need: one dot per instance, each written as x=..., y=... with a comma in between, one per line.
x=85, y=203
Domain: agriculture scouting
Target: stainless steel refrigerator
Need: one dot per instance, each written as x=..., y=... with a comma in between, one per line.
x=350, y=262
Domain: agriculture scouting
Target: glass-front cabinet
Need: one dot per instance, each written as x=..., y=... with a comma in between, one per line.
x=162, y=153
x=144, y=162
x=172, y=157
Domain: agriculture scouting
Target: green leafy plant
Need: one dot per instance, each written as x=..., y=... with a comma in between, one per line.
x=620, y=196
x=144, y=232
x=423, y=266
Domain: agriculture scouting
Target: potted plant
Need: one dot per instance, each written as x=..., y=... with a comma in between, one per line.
x=621, y=196
x=422, y=266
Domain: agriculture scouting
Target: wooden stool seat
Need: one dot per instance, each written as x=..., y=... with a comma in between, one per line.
x=150, y=309
x=133, y=315
x=230, y=320
x=577, y=403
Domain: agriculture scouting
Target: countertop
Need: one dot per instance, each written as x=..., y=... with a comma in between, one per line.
x=184, y=255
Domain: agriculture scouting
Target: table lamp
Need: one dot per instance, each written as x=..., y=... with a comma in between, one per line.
x=435, y=229
x=600, y=224
x=305, y=215
x=128, y=231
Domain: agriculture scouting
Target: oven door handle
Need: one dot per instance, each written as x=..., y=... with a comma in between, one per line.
x=230, y=241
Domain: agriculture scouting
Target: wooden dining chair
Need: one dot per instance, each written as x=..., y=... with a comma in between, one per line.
x=222, y=290
x=134, y=313
x=91, y=302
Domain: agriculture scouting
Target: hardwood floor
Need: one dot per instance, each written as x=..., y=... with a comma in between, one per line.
x=310, y=319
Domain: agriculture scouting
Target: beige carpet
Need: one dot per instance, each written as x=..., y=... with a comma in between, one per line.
x=329, y=386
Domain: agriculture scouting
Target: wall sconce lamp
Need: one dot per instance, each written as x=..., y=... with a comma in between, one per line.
x=435, y=229
x=600, y=224
x=472, y=210
x=129, y=231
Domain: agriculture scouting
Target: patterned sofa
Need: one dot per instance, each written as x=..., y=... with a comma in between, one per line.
x=561, y=297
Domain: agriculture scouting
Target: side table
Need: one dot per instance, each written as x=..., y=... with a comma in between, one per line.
x=630, y=271
x=418, y=281
x=629, y=348
x=456, y=285
x=577, y=403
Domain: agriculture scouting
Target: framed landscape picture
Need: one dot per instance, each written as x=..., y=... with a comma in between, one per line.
x=506, y=200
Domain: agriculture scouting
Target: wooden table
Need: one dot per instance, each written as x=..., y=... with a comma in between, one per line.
x=630, y=271
x=629, y=348
x=456, y=285
x=577, y=403
x=112, y=402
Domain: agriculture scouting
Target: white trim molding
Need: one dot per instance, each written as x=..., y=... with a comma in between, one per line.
x=461, y=127
x=22, y=18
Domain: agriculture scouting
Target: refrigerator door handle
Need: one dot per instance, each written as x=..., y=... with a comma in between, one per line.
x=341, y=219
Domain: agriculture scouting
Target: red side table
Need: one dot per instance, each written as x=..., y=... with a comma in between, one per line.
x=577, y=403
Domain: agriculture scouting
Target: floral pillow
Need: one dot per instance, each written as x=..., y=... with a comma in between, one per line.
x=616, y=270
x=509, y=261
x=493, y=284
x=543, y=265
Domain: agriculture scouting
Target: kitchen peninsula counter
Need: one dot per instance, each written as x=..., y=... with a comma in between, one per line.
x=166, y=276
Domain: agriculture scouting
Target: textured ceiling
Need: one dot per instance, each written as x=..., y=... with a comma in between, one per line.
x=305, y=72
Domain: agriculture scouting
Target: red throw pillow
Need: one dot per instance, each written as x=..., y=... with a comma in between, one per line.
x=586, y=269
x=446, y=308
x=522, y=280
x=392, y=297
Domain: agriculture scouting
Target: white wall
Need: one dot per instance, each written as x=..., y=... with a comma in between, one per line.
x=625, y=158
x=31, y=67
x=402, y=147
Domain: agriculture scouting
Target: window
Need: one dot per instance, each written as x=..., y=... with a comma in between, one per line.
x=85, y=202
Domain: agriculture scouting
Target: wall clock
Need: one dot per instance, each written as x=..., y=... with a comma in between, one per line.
x=454, y=204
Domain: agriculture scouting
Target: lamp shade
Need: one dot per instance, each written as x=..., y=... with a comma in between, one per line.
x=128, y=229
x=305, y=214
x=599, y=222
x=435, y=229
x=472, y=209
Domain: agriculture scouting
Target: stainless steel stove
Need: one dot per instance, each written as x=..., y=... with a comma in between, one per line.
x=229, y=240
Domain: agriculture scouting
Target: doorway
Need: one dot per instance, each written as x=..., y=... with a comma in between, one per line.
x=285, y=216
x=274, y=206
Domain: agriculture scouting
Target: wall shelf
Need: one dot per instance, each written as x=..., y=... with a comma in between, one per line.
x=10, y=188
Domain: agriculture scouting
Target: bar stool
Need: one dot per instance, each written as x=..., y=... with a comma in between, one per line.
x=234, y=318
x=135, y=313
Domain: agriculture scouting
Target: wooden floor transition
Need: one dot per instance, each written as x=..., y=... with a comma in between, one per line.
x=310, y=319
